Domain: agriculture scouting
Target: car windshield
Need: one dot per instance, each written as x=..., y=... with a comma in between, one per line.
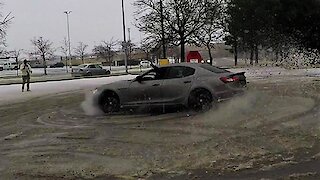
x=159, y=89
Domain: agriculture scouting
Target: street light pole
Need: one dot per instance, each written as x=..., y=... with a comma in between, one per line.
x=69, y=42
x=129, y=44
x=164, y=54
x=124, y=38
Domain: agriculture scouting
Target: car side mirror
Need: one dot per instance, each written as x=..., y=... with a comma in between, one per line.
x=139, y=78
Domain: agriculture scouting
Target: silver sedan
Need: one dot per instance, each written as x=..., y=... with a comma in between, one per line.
x=196, y=86
x=89, y=70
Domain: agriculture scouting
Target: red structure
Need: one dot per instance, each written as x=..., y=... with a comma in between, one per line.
x=194, y=57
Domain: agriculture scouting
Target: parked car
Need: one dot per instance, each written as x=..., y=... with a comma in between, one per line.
x=145, y=64
x=208, y=61
x=89, y=70
x=196, y=86
x=9, y=65
x=57, y=65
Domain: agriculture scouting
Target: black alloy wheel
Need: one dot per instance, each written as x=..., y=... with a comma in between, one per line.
x=89, y=74
x=200, y=100
x=110, y=104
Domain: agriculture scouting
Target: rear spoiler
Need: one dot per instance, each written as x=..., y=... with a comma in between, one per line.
x=238, y=74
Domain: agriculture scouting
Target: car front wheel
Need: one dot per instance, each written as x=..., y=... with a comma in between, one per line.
x=200, y=100
x=89, y=74
x=110, y=104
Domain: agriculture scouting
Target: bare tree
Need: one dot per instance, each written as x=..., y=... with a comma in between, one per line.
x=64, y=48
x=181, y=19
x=44, y=49
x=15, y=54
x=146, y=48
x=106, y=50
x=212, y=31
x=130, y=46
x=80, y=50
x=4, y=24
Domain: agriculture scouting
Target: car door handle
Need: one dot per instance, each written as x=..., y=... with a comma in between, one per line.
x=156, y=85
x=187, y=82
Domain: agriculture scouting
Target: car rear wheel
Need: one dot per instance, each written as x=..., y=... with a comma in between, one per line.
x=110, y=104
x=200, y=100
x=89, y=74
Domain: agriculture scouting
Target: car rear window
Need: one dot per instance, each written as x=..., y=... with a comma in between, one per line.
x=213, y=69
x=98, y=66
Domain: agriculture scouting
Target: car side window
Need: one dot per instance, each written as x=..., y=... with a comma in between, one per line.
x=156, y=74
x=91, y=66
x=149, y=76
x=175, y=72
x=188, y=71
x=98, y=67
x=179, y=72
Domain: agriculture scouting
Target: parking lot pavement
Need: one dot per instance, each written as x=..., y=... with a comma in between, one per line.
x=272, y=127
x=12, y=93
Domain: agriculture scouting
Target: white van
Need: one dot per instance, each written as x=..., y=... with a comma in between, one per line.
x=8, y=65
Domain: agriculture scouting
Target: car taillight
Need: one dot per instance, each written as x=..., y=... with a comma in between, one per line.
x=229, y=79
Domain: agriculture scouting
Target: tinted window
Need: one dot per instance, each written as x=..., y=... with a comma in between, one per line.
x=155, y=74
x=91, y=66
x=97, y=66
x=179, y=72
x=213, y=69
x=188, y=71
x=175, y=72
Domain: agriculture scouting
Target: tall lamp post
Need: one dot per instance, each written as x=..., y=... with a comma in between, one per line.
x=124, y=38
x=164, y=54
x=129, y=44
x=69, y=42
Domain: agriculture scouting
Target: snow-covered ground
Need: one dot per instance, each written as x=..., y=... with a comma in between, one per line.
x=277, y=72
x=59, y=71
x=12, y=93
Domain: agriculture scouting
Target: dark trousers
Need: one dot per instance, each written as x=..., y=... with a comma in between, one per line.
x=26, y=79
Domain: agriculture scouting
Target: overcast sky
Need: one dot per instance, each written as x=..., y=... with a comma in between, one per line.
x=91, y=21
